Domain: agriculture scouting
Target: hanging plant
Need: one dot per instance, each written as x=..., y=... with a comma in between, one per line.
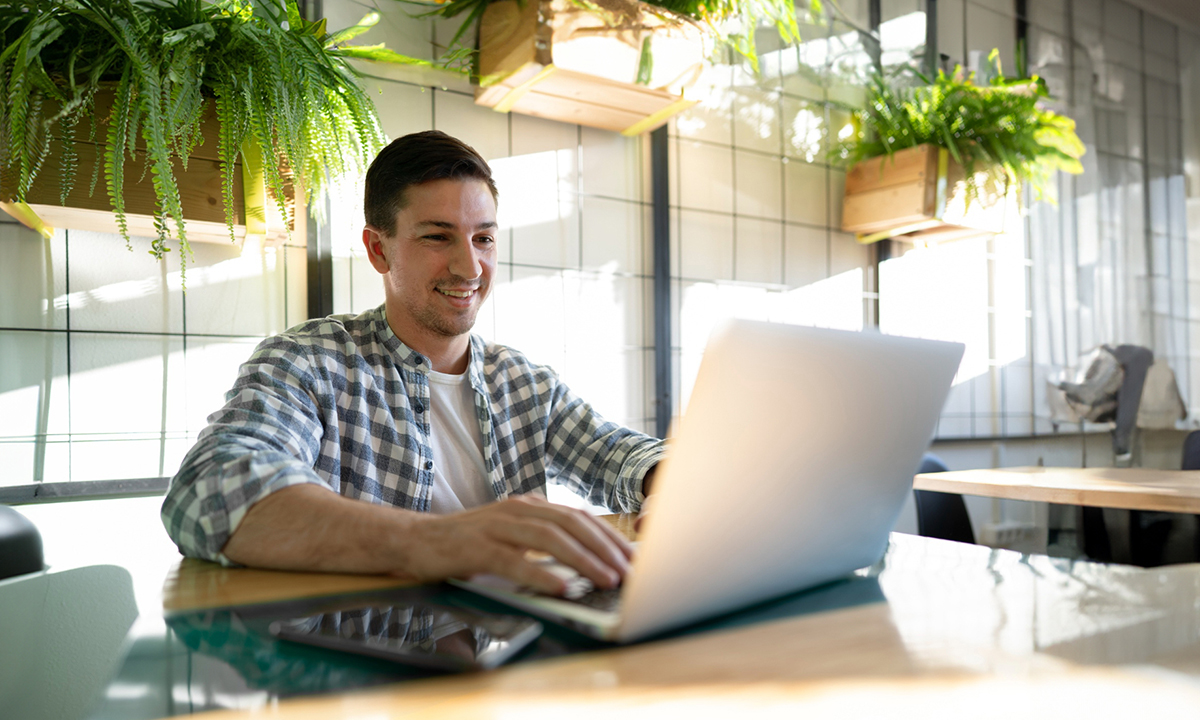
x=999, y=132
x=729, y=23
x=282, y=88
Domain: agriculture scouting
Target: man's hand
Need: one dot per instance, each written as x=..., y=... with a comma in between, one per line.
x=494, y=539
x=309, y=527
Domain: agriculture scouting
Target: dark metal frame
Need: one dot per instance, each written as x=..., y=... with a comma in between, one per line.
x=664, y=402
x=320, y=266
x=320, y=236
x=90, y=490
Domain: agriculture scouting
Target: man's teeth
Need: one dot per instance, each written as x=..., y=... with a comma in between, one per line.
x=456, y=293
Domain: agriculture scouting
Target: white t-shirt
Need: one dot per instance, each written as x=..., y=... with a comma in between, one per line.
x=459, y=475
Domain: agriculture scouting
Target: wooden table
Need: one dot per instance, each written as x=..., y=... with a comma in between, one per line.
x=1123, y=488
x=945, y=630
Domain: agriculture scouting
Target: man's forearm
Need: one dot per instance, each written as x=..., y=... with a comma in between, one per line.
x=306, y=527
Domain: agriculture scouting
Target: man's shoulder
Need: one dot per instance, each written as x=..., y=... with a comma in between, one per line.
x=504, y=362
x=334, y=334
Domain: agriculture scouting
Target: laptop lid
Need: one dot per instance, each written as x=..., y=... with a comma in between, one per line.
x=788, y=469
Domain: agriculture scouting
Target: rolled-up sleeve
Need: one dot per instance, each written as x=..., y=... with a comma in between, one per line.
x=600, y=460
x=266, y=437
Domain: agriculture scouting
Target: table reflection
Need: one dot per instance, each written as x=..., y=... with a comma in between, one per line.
x=954, y=602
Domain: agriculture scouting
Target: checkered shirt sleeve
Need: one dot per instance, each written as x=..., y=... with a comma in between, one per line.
x=266, y=437
x=340, y=402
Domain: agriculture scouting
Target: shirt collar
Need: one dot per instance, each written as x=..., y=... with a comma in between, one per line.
x=414, y=360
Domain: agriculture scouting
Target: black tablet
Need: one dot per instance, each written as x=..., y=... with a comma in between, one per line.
x=430, y=636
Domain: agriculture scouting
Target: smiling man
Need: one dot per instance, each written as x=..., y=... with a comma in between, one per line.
x=395, y=441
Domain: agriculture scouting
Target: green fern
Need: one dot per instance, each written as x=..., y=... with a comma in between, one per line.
x=999, y=130
x=274, y=79
x=729, y=23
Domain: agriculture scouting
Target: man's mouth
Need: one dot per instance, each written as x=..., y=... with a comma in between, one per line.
x=456, y=293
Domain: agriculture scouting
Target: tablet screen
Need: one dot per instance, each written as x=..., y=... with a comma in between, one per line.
x=431, y=636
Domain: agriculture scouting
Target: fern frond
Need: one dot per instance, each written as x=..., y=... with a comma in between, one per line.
x=68, y=159
x=114, y=152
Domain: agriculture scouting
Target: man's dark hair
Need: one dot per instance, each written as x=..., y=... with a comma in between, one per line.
x=412, y=160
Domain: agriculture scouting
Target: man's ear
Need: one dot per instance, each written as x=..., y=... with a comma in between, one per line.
x=373, y=239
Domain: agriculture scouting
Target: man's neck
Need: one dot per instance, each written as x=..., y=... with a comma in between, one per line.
x=448, y=355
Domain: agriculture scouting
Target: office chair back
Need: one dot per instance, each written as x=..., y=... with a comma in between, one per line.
x=941, y=515
x=20, y=544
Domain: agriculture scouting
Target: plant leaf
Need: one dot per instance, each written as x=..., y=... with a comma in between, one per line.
x=367, y=22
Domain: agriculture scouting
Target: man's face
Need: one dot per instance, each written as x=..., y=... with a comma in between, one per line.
x=438, y=264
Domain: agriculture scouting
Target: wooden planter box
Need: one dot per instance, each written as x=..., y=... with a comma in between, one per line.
x=199, y=190
x=553, y=60
x=919, y=195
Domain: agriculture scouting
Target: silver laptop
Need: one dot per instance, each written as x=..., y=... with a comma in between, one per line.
x=788, y=470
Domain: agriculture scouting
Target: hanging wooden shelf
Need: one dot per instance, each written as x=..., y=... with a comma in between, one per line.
x=553, y=60
x=86, y=208
x=919, y=195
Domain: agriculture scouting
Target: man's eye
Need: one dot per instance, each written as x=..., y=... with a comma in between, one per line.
x=435, y=237
x=485, y=239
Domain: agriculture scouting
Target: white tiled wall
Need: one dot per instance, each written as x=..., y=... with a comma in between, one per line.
x=107, y=368
x=103, y=354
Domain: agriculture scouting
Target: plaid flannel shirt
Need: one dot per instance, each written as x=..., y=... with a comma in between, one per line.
x=341, y=402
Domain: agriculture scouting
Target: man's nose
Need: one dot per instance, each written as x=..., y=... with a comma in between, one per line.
x=464, y=260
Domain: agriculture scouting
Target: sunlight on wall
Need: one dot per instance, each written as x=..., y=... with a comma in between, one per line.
x=899, y=38
x=580, y=324
x=1009, y=288
x=835, y=302
x=534, y=188
x=254, y=261
x=20, y=411
x=602, y=357
x=955, y=308
x=808, y=134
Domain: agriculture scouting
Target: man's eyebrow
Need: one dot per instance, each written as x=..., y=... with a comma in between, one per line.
x=451, y=226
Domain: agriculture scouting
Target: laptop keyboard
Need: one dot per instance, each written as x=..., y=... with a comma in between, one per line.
x=582, y=591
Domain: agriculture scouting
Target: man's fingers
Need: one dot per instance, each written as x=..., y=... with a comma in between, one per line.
x=617, y=536
x=537, y=534
x=599, y=537
x=493, y=539
x=604, y=540
x=511, y=564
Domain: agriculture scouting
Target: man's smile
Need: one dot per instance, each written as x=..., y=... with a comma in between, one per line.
x=457, y=293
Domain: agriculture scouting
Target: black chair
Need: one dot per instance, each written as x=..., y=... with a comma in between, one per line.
x=20, y=544
x=1191, y=461
x=1191, y=451
x=1148, y=531
x=941, y=515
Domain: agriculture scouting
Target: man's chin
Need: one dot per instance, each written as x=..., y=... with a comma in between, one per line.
x=450, y=327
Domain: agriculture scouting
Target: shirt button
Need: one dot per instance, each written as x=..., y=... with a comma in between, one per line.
x=418, y=408
x=428, y=464
x=418, y=360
